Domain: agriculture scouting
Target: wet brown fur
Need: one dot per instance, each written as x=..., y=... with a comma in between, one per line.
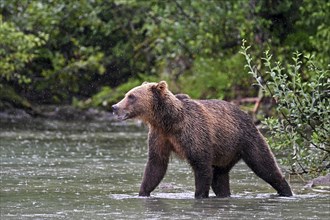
x=212, y=135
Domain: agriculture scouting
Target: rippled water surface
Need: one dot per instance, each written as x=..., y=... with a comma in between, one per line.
x=93, y=170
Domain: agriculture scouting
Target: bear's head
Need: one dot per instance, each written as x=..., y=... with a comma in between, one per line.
x=142, y=101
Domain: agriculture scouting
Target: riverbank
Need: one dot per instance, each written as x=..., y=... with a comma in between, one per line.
x=67, y=113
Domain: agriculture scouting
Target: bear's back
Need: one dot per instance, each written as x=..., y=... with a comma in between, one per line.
x=220, y=110
x=223, y=117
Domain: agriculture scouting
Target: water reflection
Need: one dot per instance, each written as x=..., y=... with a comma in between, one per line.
x=80, y=170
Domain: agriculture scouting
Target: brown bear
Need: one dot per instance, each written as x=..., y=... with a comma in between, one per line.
x=212, y=135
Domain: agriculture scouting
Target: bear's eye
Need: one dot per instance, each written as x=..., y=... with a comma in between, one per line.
x=131, y=97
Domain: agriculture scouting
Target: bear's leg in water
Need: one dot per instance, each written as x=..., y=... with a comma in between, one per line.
x=203, y=178
x=158, y=158
x=220, y=182
x=154, y=172
x=261, y=161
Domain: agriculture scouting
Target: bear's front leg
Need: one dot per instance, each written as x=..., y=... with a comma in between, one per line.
x=153, y=174
x=159, y=153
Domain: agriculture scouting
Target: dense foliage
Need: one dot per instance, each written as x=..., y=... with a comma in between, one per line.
x=80, y=51
x=302, y=124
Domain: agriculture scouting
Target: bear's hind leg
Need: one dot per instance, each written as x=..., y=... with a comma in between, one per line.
x=203, y=178
x=220, y=182
x=263, y=164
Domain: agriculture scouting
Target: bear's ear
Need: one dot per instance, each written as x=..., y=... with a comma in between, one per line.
x=145, y=82
x=161, y=86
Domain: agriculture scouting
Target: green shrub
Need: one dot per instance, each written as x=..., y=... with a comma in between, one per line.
x=211, y=78
x=300, y=129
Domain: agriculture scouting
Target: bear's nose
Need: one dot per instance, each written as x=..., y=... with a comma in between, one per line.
x=114, y=109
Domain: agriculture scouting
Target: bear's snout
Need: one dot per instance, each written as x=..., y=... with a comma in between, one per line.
x=120, y=112
x=115, y=109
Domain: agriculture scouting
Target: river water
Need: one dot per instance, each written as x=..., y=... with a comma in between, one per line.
x=92, y=170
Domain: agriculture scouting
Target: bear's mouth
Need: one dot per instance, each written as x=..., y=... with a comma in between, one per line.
x=122, y=117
